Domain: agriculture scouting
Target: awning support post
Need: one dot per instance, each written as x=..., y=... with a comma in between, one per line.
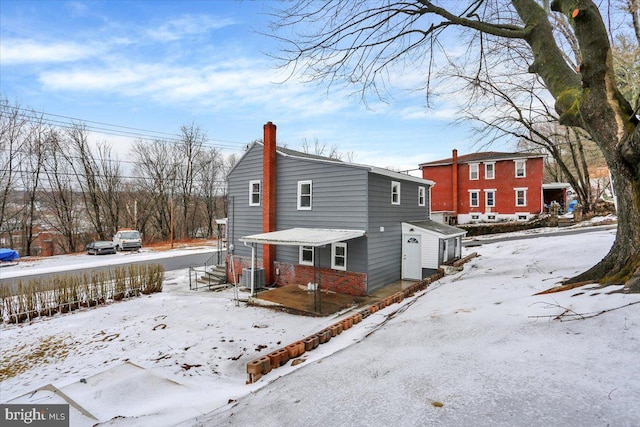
x=253, y=265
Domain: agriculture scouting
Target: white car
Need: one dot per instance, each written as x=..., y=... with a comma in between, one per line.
x=127, y=240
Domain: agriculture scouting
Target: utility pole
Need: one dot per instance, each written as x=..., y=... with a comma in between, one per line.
x=171, y=223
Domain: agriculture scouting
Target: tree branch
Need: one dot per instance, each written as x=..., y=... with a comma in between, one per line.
x=569, y=315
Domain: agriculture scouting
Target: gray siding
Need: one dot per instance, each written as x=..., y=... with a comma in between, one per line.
x=385, y=248
x=243, y=219
x=339, y=200
x=343, y=196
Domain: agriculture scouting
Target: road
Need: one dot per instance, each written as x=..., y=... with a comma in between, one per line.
x=176, y=262
x=483, y=241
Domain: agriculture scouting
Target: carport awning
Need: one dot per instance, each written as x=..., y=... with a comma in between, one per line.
x=304, y=236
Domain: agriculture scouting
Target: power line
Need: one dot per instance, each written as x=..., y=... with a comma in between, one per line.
x=34, y=116
x=78, y=175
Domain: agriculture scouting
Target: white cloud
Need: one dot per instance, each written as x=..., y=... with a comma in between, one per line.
x=187, y=25
x=93, y=79
x=15, y=51
x=241, y=84
x=77, y=8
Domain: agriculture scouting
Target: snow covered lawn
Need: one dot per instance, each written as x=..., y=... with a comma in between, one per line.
x=476, y=348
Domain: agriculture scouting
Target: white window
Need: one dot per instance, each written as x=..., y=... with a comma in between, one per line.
x=473, y=171
x=490, y=198
x=489, y=170
x=254, y=193
x=521, y=168
x=395, y=193
x=523, y=217
x=304, y=195
x=521, y=197
x=306, y=255
x=339, y=256
x=474, y=198
x=475, y=216
x=491, y=217
x=422, y=196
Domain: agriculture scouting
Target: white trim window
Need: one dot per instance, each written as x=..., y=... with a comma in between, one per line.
x=395, y=193
x=339, y=256
x=474, y=175
x=422, y=196
x=490, y=170
x=306, y=255
x=521, y=168
x=305, y=195
x=255, y=189
x=490, y=198
x=474, y=198
x=521, y=196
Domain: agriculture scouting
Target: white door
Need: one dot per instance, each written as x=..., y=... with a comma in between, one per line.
x=411, y=257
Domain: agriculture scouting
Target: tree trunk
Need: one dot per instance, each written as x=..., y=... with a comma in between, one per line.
x=596, y=105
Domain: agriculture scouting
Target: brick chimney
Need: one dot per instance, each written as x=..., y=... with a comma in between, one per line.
x=269, y=198
x=454, y=181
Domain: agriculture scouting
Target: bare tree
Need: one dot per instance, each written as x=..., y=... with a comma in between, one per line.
x=321, y=149
x=60, y=196
x=626, y=54
x=517, y=108
x=156, y=171
x=87, y=172
x=35, y=151
x=111, y=187
x=188, y=152
x=211, y=187
x=13, y=125
x=364, y=43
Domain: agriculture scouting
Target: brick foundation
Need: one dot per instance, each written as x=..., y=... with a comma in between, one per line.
x=343, y=282
x=239, y=264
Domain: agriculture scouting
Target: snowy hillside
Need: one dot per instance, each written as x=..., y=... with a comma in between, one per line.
x=476, y=348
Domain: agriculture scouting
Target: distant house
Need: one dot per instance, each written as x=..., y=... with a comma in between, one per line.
x=310, y=219
x=486, y=187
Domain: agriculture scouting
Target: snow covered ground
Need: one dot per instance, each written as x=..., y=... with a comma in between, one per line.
x=65, y=263
x=476, y=348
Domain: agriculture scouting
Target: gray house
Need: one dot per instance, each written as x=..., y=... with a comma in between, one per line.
x=302, y=219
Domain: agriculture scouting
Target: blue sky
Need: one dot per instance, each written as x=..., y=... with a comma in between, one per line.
x=157, y=65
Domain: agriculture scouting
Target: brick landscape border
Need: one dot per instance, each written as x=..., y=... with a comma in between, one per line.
x=261, y=366
x=265, y=364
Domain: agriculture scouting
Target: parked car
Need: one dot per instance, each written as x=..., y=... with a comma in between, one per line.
x=127, y=239
x=101, y=248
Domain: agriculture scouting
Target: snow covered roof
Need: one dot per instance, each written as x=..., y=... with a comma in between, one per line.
x=438, y=228
x=304, y=236
x=556, y=185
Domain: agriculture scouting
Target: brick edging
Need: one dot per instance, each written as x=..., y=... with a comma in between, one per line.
x=265, y=364
x=465, y=260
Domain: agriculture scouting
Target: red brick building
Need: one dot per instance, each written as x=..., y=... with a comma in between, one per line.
x=486, y=187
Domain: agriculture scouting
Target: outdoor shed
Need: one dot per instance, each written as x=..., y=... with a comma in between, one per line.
x=428, y=244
